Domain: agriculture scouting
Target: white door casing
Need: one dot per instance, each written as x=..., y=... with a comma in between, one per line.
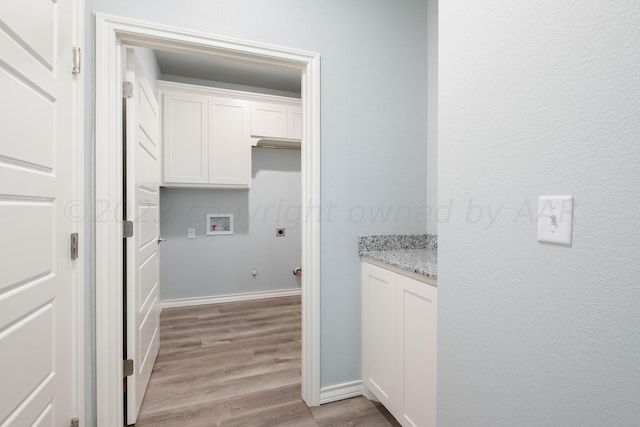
x=111, y=33
x=40, y=184
x=143, y=197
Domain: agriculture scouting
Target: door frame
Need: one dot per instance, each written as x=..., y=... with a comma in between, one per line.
x=111, y=33
x=78, y=211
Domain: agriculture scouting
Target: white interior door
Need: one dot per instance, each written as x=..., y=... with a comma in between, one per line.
x=37, y=152
x=143, y=185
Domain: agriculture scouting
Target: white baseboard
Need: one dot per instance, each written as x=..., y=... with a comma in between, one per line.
x=340, y=391
x=188, y=302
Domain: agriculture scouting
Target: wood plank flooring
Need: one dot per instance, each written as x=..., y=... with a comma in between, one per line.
x=238, y=364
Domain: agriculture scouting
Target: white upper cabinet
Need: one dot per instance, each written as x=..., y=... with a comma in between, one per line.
x=268, y=120
x=185, y=138
x=276, y=120
x=229, y=145
x=208, y=133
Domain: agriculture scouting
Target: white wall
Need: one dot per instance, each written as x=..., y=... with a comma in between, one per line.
x=221, y=265
x=539, y=98
x=373, y=127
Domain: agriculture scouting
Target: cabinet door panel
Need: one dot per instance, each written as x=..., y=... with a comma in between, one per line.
x=268, y=120
x=380, y=333
x=229, y=144
x=185, y=153
x=417, y=308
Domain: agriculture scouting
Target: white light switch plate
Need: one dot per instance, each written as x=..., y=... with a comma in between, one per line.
x=191, y=233
x=555, y=219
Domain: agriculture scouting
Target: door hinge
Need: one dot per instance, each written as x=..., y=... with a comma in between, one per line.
x=75, y=422
x=76, y=60
x=127, y=229
x=127, y=89
x=74, y=245
x=127, y=367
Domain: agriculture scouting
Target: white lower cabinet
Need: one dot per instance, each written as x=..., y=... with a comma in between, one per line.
x=399, y=344
x=379, y=333
x=417, y=320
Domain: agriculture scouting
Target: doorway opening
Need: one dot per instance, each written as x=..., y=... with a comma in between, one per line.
x=111, y=34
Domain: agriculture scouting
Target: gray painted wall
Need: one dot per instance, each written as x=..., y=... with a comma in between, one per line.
x=221, y=265
x=539, y=98
x=374, y=132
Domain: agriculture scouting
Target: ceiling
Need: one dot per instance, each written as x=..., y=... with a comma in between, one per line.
x=229, y=71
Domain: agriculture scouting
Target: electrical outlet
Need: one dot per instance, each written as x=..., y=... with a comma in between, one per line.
x=191, y=233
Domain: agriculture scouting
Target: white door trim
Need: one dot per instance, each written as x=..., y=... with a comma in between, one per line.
x=78, y=211
x=111, y=33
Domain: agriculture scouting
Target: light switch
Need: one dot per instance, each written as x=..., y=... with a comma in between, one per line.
x=191, y=233
x=555, y=219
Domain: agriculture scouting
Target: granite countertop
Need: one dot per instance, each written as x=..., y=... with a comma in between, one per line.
x=417, y=253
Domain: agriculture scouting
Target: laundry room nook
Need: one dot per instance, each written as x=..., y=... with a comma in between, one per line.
x=230, y=202
x=213, y=168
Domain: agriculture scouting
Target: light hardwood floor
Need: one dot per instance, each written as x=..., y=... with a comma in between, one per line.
x=238, y=364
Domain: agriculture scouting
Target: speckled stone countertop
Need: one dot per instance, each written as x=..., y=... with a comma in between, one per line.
x=417, y=253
